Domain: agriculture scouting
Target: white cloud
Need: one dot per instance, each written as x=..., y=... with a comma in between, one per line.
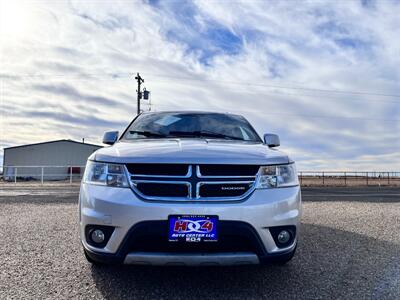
x=193, y=55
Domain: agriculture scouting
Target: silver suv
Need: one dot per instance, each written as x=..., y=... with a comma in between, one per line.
x=189, y=188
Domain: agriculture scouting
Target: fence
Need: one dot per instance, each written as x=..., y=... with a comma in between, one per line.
x=67, y=174
x=348, y=178
x=73, y=174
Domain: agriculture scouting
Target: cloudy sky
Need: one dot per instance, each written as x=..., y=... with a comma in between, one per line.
x=324, y=75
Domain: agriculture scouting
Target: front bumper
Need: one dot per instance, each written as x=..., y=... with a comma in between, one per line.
x=121, y=209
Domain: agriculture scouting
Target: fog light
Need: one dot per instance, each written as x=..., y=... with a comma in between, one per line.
x=97, y=236
x=283, y=237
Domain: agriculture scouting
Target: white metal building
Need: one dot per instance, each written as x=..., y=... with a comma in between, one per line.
x=66, y=158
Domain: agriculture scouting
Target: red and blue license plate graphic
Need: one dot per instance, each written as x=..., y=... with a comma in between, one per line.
x=193, y=228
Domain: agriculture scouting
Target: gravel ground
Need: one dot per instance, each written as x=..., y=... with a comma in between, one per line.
x=349, y=248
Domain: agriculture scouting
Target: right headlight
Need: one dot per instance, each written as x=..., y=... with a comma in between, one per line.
x=99, y=173
x=277, y=176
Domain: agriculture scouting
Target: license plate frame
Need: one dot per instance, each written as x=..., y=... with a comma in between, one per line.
x=193, y=228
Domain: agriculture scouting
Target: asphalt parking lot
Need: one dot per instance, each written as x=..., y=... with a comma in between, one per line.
x=349, y=248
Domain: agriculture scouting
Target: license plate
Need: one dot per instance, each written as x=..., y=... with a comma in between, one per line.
x=189, y=228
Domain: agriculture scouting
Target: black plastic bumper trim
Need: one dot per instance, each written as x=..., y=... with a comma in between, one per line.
x=124, y=249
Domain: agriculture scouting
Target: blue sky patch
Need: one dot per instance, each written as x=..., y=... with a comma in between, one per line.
x=349, y=43
x=205, y=38
x=214, y=41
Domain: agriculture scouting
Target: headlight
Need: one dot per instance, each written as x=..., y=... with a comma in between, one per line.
x=277, y=176
x=105, y=174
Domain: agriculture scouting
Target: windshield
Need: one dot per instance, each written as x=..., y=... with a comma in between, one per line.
x=191, y=125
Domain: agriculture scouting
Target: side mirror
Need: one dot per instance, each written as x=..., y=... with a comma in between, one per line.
x=271, y=140
x=110, y=137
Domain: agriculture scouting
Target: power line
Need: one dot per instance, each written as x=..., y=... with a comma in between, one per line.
x=79, y=76
x=126, y=75
x=332, y=117
x=282, y=86
x=273, y=93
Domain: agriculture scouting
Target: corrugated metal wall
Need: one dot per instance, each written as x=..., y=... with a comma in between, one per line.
x=59, y=153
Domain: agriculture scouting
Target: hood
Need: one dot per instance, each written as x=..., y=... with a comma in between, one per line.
x=190, y=151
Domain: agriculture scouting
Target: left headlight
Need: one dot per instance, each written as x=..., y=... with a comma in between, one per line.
x=105, y=174
x=277, y=176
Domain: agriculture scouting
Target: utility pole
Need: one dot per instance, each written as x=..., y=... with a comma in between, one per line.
x=140, y=80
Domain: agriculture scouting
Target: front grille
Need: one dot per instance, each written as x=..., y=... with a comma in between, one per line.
x=193, y=182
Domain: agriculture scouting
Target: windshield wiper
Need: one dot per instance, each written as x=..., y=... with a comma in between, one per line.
x=147, y=133
x=204, y=134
